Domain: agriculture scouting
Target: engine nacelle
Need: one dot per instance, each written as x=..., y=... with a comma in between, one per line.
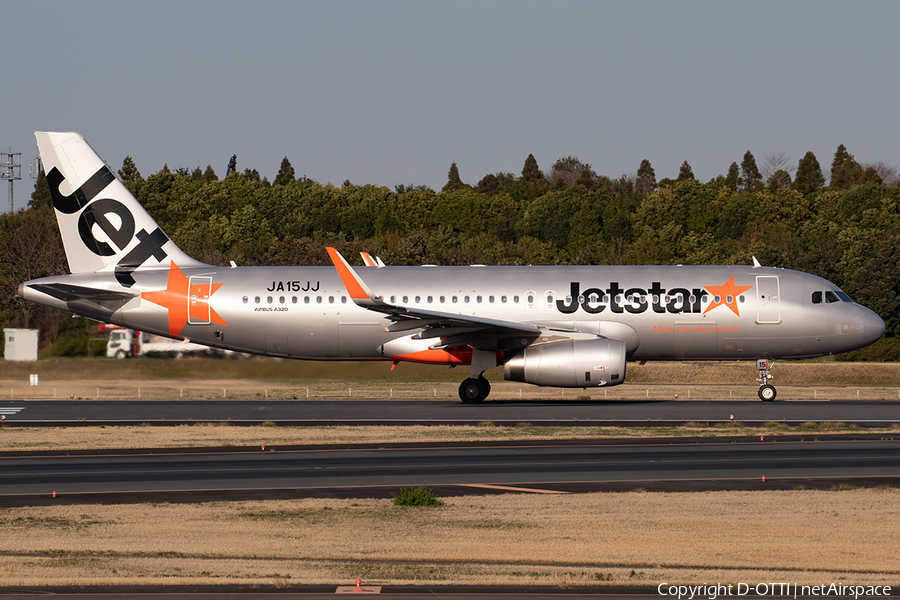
x=572, y=363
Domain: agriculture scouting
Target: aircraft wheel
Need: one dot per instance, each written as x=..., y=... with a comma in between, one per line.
x=471, y=391
x=485, y=386
x=767, y=393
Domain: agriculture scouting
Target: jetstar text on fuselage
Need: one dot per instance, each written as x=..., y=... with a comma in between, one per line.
x=633, y=300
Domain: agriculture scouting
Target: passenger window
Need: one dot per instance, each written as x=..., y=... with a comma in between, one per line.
x=330, y=299
x=831, y=297
x=405, y=299
x=491, y=299
x=443, y=299
x=530, y=299
x=305, y=299
x=478, y=299
x=318, y=299
x=269, y=299
x=453, y=299
x=281, y=299
x=256, y=299
x=515, y=299
x=418, y=299
x=503, y=299
x=393, y=299
x=817, y=297
x=293, y=299
x=430, y=299
x=246, y=299
x=466, y=299
x=343, y=299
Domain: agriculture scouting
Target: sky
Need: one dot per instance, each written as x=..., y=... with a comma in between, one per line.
x=393, y=92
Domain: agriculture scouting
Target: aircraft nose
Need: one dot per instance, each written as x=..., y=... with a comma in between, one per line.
x=873, y=327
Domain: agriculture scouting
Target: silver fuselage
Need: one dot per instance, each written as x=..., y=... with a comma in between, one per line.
x=661, y=312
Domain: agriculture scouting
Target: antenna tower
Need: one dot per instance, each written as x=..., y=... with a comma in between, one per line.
x=10, y=170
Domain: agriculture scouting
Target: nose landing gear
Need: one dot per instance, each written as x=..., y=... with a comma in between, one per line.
x=766, y=392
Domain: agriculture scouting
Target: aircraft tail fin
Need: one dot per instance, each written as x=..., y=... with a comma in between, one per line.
x=102, y=224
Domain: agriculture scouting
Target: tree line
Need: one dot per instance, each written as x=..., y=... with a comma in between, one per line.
x=847, y=231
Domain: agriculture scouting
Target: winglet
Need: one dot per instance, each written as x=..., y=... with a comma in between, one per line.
x=356, y=287
x=756, y=263
x=368, y=260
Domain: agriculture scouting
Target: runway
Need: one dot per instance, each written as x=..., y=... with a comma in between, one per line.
x=438, y=412
x=450, y=469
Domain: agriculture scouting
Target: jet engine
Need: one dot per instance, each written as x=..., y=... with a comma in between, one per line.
x=572, y=363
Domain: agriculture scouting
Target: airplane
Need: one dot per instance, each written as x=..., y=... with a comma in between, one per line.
x=559, y=326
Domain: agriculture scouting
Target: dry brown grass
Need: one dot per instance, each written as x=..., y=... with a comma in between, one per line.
x=189, y=436
x=257, y=378
x=631, y=538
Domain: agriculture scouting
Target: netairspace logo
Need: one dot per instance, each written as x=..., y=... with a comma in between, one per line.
x=711, y=592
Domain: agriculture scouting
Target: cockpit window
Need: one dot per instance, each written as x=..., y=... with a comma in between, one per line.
x=817, y=297
x=831, y=297
x=843, y=296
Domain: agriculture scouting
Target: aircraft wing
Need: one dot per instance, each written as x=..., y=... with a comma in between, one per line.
x=453, y=329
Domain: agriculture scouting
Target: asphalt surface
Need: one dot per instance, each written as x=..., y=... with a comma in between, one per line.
x=435, y=412
x=449, y=469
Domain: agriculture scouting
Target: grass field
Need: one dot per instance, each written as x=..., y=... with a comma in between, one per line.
x=846, y=536
x=251, y=378
x=632, y=538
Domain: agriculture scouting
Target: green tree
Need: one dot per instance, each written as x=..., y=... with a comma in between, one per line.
x=489, y=185
x=845, y=171
x=646, y=178
x=209, y=174
x=453, y=180
x=531, y=173
x=130, y=175
x=586, y=180
x=750, y=173
x=733, y=180
x=779, y=179
x=40, y=197
x=809, y=176
x=685, y=173
x=285, y=173
x=568, y=170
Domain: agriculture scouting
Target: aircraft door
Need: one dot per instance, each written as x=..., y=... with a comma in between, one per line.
x=198, y=300
x=768, y=299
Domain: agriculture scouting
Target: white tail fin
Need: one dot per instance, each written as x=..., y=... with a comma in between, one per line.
x=103, y=226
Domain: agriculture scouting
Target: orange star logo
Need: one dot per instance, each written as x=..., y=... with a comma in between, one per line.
x=186, y=300
x=726, y=294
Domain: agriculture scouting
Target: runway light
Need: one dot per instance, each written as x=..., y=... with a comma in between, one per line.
x=263, y=446
x=760, y=438
x=764, y=478
x=359, y=587
x=54, y=493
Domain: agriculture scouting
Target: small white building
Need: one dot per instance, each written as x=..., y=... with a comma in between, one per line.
x=21, y=344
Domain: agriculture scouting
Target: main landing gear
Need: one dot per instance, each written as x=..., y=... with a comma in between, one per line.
x=766, y=392
x=473, y=391
x=476, y=388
